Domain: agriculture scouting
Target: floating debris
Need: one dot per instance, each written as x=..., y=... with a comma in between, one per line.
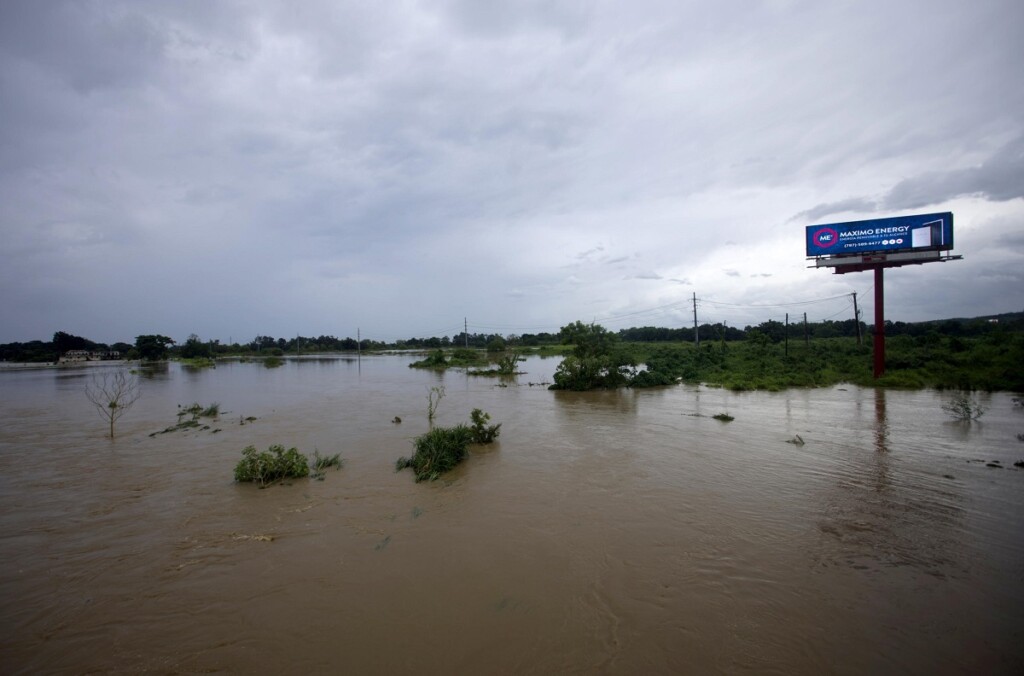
x=256, y=537
x=797, y=440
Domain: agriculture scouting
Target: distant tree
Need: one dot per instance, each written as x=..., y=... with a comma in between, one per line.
x=590, y=340
x=597, y=360
x=775, y=330
x=64, y=342
x=112, y=394
x=152, y=347
x=194, y=348
x=33, y=352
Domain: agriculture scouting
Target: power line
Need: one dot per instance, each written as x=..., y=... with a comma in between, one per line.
x=772, y=305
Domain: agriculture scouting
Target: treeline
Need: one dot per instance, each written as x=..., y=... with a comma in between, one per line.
x=778, y=331
x=38, y=351
x=152, y=347
x=990, y=360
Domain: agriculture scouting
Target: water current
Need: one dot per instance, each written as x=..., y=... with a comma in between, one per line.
x=622, y=532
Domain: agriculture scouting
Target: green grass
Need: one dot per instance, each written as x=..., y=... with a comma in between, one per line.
x=198, y=362
x=320, y=463
x=274, y=464
x=437, y=452
x=459, y=357
x=442, y=448
x=987, y=363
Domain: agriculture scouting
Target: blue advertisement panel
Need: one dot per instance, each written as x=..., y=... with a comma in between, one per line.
x=925, y=232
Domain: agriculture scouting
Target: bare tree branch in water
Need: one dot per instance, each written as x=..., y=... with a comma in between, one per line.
x=113, y=394
x=434, y=397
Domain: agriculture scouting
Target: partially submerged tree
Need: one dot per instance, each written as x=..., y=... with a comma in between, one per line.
x=113, y=394
x=597, y=360
x=153, y=347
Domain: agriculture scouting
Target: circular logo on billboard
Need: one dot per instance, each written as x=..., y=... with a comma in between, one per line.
x=825, y=238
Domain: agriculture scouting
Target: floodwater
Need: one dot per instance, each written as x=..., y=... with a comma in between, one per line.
x=618, y=532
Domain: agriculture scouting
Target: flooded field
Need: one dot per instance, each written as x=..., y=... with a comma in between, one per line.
x=618, y=532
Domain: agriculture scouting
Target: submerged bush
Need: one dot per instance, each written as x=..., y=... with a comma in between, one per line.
x=442, y=448
x=435, y=359
x=322, y=462
x=482, y=432
x=437, y=451
x=271, y=465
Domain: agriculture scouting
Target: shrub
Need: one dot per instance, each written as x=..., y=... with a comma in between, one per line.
x=271, y=465
x=437, y=451
x=465, y=354
x=508, y=364
x=482, y=432
x=442, y=448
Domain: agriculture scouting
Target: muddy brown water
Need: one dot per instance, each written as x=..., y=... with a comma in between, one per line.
x=618, y=532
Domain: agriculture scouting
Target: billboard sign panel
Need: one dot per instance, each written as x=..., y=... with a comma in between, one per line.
x=924, y=232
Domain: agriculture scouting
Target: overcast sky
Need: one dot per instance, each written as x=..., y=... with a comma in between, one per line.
x=240, y=168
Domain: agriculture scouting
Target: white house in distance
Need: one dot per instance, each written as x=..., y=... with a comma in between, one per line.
x=72, y=356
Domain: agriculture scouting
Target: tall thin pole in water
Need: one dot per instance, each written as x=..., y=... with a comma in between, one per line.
x=696, y=332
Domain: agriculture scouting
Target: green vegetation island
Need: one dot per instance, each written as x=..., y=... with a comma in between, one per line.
x=982, y=353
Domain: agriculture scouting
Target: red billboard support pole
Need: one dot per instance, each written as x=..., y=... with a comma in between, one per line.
x=879, y=322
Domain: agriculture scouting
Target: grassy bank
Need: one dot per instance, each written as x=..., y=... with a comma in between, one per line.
x=992, y=362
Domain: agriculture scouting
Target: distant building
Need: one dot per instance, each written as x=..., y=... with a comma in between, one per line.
x=76, y=355
x=72, y=356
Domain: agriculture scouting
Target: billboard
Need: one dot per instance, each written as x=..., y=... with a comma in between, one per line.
x=925, y=232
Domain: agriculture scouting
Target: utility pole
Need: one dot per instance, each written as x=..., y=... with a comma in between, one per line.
x=465, y=330
x=359, y=345
x=696, y=332
x=787, y=334
x=807, y=335
x=856, y=316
